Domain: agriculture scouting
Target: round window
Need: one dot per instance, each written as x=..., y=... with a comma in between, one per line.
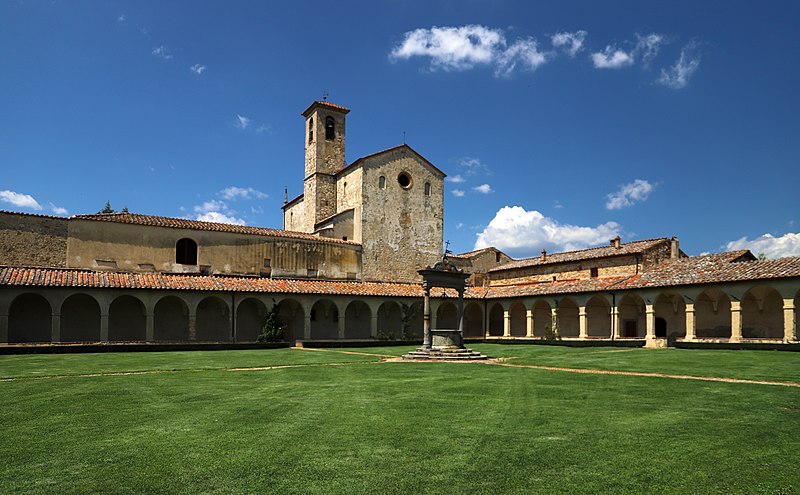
x=404, y=180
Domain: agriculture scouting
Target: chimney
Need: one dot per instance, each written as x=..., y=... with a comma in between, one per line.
x=616, y=242
x=675, y=248
x=544, y=255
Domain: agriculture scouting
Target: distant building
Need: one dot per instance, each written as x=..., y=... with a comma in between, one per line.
x=345, y=267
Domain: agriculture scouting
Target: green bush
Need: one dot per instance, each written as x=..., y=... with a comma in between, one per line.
x=272, y=330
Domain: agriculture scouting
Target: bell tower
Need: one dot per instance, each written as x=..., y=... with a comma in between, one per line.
x=324, y=144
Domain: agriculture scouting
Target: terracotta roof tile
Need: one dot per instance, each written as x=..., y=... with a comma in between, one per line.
x=183, y=223
x=325, y=104
x=633, y=247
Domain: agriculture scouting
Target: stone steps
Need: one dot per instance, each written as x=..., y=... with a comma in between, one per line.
x=445, y=354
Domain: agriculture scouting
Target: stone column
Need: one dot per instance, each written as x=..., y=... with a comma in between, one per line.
x=55, y=328
x=341, y=322
x=789, y=321
x=307, y=325
x=373, y=326
x=650, y=321
x=426, y=318
x=149, y=325
x=583, y=322
x=691, y=325
x=3, y=328
x=192, y=327
x=104, y=326
x=614, y=322
x=529, y=323
x=736, y=321
x=460, y=314
x=506, y=323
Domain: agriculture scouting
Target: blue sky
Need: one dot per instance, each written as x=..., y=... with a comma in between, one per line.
x=559, y=125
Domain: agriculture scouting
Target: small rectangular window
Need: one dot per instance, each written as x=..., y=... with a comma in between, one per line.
x=267, y=263
x=106, y=263
x=593, y=272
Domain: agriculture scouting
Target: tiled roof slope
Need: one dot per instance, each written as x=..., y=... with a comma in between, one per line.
x=182, y=223
x=715, y=268
x=585, y=254
x=471, y=254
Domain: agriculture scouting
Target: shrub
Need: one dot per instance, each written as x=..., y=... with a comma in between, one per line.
x=272, y=330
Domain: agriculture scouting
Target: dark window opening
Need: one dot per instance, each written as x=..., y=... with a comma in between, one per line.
x=344, y=238
x=593, y=272
x=382, y=182
x=497, y=257
x=330, y=128
x=404, y=180
x=427, y=189
x=310, y=130
x=267, y=263
x=661, y=327
x=186, y=252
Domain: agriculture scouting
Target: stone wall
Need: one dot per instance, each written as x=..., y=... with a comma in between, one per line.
x=576, y=270
x=402, y=227
x=33, y=240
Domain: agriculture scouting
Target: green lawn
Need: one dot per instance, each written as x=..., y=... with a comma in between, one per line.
x=369, y=427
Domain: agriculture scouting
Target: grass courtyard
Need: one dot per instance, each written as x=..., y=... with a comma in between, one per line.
x=342, y=421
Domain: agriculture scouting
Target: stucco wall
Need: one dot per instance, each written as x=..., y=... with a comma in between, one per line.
x=109, y=246
x=576, y=270
x=30, y=240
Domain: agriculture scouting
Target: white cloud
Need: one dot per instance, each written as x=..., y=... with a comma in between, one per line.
x=457, y=193
x=460, y=225
x=483, y=189
x=473, y=166
x=612, y=58
x=648, y=46
x=677, y=76
x=464, y=47
x=456, y=179
x=233, y=193
x=215, y=216
x=209, y=206
x=162, y=52
x=572, y=43
x=772, y=247
x=197, y=68
x=522, y=233
x=20, y=200
x=629, y=194
x=263, y=128
x=58, y=210
x=242, y=122
x=523, y=53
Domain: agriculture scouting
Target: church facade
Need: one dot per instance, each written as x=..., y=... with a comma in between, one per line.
x=345, y=267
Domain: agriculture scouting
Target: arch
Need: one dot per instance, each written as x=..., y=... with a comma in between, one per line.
x=30, y=319
x=473, y=320
x=712, y=313
x=186, y=252
x=670, y=316
x=598, y=317
x=127, y=320
x=632, y=317
x=80, y=319
x=447, y=316
x=357, y=320
x=542, y=319
x=568, y=318
x=330, y=128
x=292, y=318
x=250, y=318
x=213, y=323
x=324, y=320
x=519, y=319
x=390, y=320
x=496, y=320
x=762, y=313
x=171, y=319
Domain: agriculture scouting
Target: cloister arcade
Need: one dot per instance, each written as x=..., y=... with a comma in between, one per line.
x=722, y=312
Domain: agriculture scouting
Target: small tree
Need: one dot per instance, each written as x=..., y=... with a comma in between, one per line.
x=107, y=208
x=408, y=311
x=272, y=331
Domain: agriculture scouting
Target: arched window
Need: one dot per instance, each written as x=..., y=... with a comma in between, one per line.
x=330, y=128
x=310, y=130
x=382, y=182
x=186, y=252
x=427, y=189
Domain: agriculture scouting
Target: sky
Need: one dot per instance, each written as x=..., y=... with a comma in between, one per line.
x=559, y=124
